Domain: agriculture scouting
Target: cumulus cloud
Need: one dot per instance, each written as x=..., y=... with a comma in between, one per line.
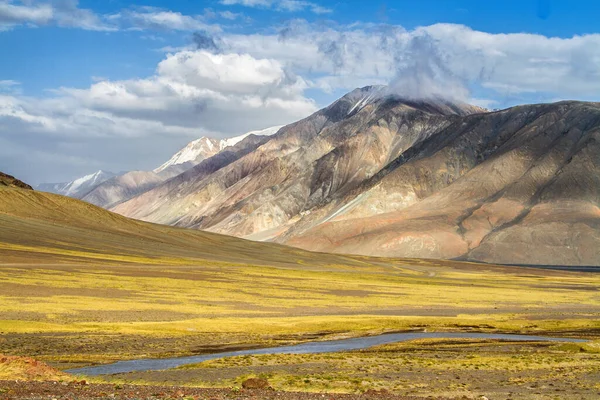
x=192, y=94
x=281, y=5
x=442, y=59
x=205, y=41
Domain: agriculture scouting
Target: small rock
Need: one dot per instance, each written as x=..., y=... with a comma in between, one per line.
x=255, y=383
x=375, y=393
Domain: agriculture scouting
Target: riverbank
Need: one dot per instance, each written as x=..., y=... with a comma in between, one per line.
x=332, y=346
x=440, y=368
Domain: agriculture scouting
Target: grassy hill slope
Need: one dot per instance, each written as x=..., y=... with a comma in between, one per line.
x=43, y=227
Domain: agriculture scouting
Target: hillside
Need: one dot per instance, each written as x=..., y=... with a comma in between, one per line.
x=49, y=228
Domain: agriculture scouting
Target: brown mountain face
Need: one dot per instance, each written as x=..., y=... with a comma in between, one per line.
x=131, y=184
x=11, y=181
x=300, y=168
x=123, y=187
x=379, y=175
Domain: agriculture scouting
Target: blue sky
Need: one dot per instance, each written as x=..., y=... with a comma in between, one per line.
x=122, y=85
x=47, y=57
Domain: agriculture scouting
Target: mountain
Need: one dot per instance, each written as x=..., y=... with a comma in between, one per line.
x=41, y=227
x=107, y=190
x=205, y=147
x=519, y=186
x=377, y=174
x=122, y=188
x=261, y=194
x=79, y=187
x=163, y=193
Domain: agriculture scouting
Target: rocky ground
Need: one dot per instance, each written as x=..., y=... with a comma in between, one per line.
x=83, y=391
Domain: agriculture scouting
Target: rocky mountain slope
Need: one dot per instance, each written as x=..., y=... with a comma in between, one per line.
x=11, y=181
x=123, y=187
x=380, y=175
x=519, y=186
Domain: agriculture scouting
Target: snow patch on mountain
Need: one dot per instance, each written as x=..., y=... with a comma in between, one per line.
x=364, y=96
x=205, y=147
x=79, y=187
x=234, y=140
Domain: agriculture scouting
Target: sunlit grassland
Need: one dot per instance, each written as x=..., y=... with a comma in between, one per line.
x=208, y=305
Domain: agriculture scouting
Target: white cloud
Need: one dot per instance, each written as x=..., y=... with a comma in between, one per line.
x=12, y=14
x=9, y=86
x=441, y=59
x=192, y=94
x=281, y=5
x=143, y=18
x=67, y=14
x=230, y=15
x=63, y=13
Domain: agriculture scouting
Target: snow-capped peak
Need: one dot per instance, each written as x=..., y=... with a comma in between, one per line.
x=87, y=181
x=194, y=151
x=205, y=147
x=79, y=186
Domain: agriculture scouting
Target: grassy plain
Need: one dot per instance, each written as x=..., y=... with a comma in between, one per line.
x=79, y=285
x=84, y=314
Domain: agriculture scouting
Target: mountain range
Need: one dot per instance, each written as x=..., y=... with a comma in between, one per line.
x=378, y=174
x=107, y=189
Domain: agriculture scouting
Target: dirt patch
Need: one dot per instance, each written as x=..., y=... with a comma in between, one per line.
x=255, y=383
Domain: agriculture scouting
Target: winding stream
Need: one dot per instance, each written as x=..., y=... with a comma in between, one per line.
x=148, y=364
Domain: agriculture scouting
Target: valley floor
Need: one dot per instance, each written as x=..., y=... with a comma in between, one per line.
x=72, y=315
